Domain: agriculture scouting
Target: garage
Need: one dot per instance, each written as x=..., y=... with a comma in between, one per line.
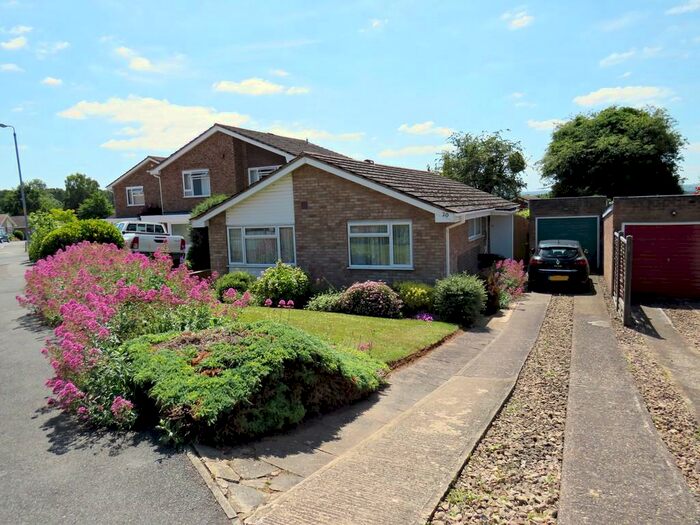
x=584, y=229
x=666, y=258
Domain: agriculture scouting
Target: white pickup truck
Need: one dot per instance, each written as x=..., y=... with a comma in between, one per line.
x=149, y=237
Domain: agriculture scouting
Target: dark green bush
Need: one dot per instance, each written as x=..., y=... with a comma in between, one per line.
x=239, y=281
x=416, y=297
x=282, y=281
x=460, y=298
x=198, y=253
x=373, y=298
x=326, y=302
x=230, y=383
x=92, y=230
x=18, y=234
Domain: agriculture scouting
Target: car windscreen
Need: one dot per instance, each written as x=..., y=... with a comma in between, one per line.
x=559, y=252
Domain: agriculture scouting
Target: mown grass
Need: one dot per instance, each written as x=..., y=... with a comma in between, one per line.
x=387, y=340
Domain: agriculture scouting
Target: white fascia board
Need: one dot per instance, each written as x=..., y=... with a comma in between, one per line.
x=505, y=212
x=204, y=136
x=131, y=171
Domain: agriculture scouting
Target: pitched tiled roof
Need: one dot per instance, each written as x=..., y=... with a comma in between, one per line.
x=154, y=158
x=287, y=144
x=19, y=221
x=4, y=217
x=426, y=186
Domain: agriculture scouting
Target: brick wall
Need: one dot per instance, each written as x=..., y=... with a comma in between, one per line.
x=324, y=203
x=141, y=177
x=227, y=160
x=218, y=244
x=564, y=207
x=656, y=209
x=463, y=252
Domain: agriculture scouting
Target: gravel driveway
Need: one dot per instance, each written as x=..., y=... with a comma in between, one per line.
x=685, y=316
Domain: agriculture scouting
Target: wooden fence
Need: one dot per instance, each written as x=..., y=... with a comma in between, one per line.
x=622, y=276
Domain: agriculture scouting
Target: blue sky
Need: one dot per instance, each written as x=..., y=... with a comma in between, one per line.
x=96, y=86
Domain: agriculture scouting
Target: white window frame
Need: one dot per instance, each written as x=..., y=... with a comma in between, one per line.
x=189, y=173
x=277, y=227
x=129, y=196
x=255, y=172
x=390, y=234
x=482, y=228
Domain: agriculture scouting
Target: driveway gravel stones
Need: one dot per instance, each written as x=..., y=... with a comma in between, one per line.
x=513, y=475
x=685, y=316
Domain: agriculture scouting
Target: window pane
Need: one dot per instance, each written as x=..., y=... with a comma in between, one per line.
x=402, y=244
x=369, y=228
x=261, y=250
x=150, y=228
x=260, y=231
x=369, y=251
x=235, y=247
x=287, y=245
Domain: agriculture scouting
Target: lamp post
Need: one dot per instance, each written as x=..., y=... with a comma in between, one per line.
x=21, y=183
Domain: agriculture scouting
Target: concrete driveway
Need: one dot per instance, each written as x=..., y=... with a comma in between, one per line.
x=53, y=471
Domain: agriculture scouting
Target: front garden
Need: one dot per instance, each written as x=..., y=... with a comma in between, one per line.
x=139, y=343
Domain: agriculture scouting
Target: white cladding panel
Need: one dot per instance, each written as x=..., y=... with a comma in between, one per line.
x=273, y=205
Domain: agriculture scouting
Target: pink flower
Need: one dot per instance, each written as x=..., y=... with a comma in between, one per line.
x=268, y=302
x=282, y=304
x=121, y=407
x=290, y=304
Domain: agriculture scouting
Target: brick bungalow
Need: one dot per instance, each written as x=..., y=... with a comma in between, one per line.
x=222, y=160
x=346, y=220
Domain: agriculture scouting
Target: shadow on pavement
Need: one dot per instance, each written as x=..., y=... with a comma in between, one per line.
x=32, y=323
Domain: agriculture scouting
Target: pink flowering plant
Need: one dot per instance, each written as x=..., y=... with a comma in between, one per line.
x=510, y=280
x=100, y=296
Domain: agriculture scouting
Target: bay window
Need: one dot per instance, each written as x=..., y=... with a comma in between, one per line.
x=260, y=245
x=380, y=244
x=195, y=183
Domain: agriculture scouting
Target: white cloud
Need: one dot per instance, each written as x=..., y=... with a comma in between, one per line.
x=279, y=73
x=517, y=18
x=301, y=132
x=545, y=125
x=52, y=81
x=687, y=7
x=375, y=24
x=20, y=30
x=637, y=95
x=44, y=49
x=15, y=43
x=151, y=124
x=626, y=74
x=409, y=151
x=137, y=62
x=425, y=128
x=621, y=21
x=257, y=87
x=10, y=68
x=618, y=58
x=519, y=101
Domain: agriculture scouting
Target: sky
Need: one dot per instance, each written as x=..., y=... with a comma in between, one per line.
x=93, y=87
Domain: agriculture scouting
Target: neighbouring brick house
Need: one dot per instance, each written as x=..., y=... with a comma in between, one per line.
x=345, y=220
x=222, y=160
x=665, y=233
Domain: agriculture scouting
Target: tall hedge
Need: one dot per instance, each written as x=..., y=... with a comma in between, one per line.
x=92, y=230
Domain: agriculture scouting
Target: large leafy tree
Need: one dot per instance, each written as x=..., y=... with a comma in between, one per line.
x=617, y=151
x=488, y=162
x=96, y=206
x=78, y=188
x=37, y=195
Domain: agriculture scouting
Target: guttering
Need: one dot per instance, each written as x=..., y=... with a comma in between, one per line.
x=160, y=190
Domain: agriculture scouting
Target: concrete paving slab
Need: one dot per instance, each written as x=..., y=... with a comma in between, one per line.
x=616, y=469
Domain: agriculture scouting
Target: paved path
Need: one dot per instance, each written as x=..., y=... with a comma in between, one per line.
x=400, y=472
x=50, y=471
x=674, y=353
x=616, y=469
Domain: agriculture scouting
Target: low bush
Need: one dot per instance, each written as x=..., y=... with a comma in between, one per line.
x=41, y=223
x=91, y=230
x=460, y=298
x=373, y=298
x=18, y=234
x=239, y=281
x=233, y=382
x=282, y=282
x=326, y=302
x=416, y=297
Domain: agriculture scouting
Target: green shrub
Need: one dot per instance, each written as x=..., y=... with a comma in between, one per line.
x=239, y=381
x=198, y=253
x=41, y=223
x=239, y=281
x=282, y=281
x=92, y=230
x=326, y=302
x=416, y=297
x=208, y=203
x=460, y=298
x=373, y=298
x=18, y=234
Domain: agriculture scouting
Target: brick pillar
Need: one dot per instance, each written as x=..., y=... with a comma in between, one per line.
x=218, y=244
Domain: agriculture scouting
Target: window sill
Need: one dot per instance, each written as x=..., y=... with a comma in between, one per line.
x=404, y=268
x=476, y=237
x=243, y=265
x=135, y=205
x=196, y=196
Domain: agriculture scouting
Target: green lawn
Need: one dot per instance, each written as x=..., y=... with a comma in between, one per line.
x=388, y=339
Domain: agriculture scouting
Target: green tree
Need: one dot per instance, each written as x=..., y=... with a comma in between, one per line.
x=488, y=162
x=96, y=206
x=78, y=188
x=617, y=151
x=59, y=194
x=37, y=196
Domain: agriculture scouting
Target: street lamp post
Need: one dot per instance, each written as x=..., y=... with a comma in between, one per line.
x=21, y=183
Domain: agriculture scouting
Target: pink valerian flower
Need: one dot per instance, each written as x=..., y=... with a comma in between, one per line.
x=121, y=407
x=230, y=295
x=268, y=302
x=511, y=277
x=424, y=317
x=282, y=304
x=290, y=304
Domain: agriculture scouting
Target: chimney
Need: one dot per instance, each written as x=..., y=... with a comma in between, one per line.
x=369, y=161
